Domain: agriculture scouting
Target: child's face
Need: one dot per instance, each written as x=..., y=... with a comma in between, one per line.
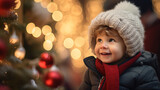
x=109, y=48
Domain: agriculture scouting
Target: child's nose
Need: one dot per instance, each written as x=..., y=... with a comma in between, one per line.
x=104, y=45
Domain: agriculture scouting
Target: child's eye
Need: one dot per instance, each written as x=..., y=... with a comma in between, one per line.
x=99, y=40
x=111, y=40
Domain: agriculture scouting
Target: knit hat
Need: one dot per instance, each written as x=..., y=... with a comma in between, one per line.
x=125, y=18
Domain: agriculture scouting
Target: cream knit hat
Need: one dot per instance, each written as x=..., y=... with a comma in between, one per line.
x=125, y=18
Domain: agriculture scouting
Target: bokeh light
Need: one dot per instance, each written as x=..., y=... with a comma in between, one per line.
x=37, y=0
x=75, y=53
x=79, y=41
x=30, y=27
x=18, y=4
x=6, y=27
x=93, y=12
x=51, y=7
x=65, y=5
x=36, y=32
x=44, y=3
x=58, y=25
x=47, y=45
x=57, y=16
x=67, y=28
x=77, y=64
x=76, y=10
x=46, y=29
x=68, y=43
x=50, y=36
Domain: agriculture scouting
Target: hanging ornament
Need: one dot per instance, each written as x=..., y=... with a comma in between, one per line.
x=33, y=83
x=6, y=6
x=14, y=38
x=35, y=72
x=3, y=49
x=46, y=60
x=20, y=52
x=54, y=68
x=53, y=79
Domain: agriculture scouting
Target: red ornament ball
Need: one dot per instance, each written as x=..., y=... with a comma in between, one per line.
x=46, y=60
x=53, y=79
x=6, y=6
x=3, y=49
x=3, y=87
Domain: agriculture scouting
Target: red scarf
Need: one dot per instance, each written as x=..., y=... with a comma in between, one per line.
x=111, y=73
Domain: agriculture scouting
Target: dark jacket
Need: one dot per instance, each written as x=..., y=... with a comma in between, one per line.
x=141, y=75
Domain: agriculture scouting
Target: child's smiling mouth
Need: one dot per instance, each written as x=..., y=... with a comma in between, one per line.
x=105, y=53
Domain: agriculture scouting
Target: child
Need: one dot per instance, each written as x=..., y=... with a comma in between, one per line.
x=116, y=38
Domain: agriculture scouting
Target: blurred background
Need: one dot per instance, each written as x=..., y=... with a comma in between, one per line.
x=44, y=42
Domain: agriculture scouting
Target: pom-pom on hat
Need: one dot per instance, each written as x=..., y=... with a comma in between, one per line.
x=125, y=18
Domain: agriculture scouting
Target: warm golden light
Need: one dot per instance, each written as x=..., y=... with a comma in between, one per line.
x=6, y=27
x=18, y=4
x=68, y=43
x=14, y=38
x=76, y=10
x=30, y=27
x=157, y=6
x=20, y=53
x=36, y=32
x=62, y=52
x=91, y=6
x=75, y=53
x=57, y=16
x=47, y=45
x=79, y=41
x=44, y=3
x=51, y=7
x=50, y=36
x=46, y=29
x=58, y=25
x=37, y=0
x=92, y=10
x=67, y=28
x=77, y=64
x=65, y=5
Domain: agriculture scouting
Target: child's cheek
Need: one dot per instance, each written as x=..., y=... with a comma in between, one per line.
x=96, y=49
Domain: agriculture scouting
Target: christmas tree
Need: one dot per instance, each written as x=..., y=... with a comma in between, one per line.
x=17, y=74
